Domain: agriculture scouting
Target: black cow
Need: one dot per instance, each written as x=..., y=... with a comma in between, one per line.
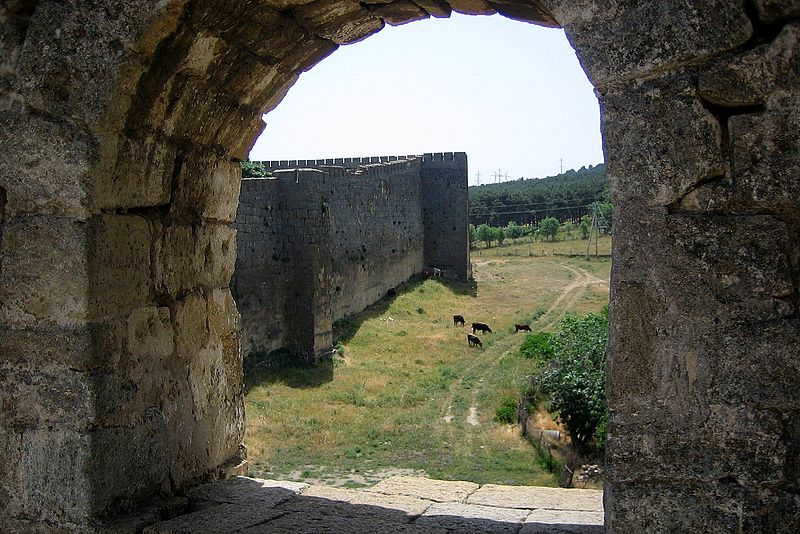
x=481, y=327
x=521, y=327
x=474, y=341
x=458, y=320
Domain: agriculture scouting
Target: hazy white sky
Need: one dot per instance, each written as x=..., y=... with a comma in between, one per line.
x=511, y=95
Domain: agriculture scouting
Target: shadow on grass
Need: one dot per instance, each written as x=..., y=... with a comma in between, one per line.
x=280, y=366
x=281, y=370
x=344, y=329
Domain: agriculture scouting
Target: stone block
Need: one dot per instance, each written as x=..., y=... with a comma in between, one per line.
x=436, y=8
x=530, y=497
x=73, y=347
x=399, y=12
x=248, y=492
x=206, y=187
x=533, y=12
x=711, y=442
x=191, y=257
x=129, y=463
x=120, y=264
x=35, y=396
x=342, y=22
x=44, y=276
x=714, y=507
x=70, y=64
x=472, y=7
x=660, y=142
x=775, y=10
x=460, y=517
x=563, y=522
x=141, y=173
x=44, y=166
x=750, y=78
x=352, y=503
x=49, y=476
x=648, y=37
x=191, y=326
x=765, y=158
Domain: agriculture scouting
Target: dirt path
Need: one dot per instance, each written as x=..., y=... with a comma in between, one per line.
x=566, y=299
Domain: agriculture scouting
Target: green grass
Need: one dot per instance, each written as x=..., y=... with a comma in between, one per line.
x=383, y=405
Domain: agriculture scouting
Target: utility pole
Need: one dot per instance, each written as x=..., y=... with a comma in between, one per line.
x=596, y=229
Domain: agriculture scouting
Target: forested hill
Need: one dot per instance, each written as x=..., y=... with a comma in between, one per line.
x=527, y=201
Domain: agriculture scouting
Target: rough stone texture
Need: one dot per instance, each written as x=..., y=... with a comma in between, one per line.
x=530, y=497
x=396, y=507
x=472, y=518
x=327, y=238
x=433, y=490
x=618, y=41
x=560, y=521
x=275, y=506
x=122, y=123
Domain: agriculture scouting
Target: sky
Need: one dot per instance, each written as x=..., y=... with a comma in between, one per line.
x=512, y=95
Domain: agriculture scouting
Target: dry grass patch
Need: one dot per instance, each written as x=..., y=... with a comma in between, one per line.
x=401, y=394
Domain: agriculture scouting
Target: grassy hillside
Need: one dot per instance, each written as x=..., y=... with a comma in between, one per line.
x=409, y=395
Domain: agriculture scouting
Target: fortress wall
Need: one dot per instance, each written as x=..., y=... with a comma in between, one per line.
x=376, y=233
x=263, y=264
x=319, y=244
x=445, y=213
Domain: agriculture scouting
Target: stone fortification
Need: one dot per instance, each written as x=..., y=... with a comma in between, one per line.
x=322, y=239
x=123, y=124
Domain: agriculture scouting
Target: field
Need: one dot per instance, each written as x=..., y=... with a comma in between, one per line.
x=408, y=395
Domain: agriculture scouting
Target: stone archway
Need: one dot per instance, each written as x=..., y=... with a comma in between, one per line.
x=122, y=127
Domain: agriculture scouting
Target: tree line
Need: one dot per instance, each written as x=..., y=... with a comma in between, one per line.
x=547, y=229
x=566, y=197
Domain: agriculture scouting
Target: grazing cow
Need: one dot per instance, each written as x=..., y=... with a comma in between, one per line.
x=458, y=320
x=522, y=327
x=481, y=327
x=474, y=341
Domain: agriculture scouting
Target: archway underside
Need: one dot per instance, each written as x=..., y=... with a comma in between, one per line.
x=123, y=125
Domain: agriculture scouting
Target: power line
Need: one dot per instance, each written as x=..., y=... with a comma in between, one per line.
x=525, y=204
x=530, y=211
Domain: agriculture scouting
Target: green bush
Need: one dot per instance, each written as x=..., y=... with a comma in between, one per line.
x=507, y=412
x=537, y=345
x=253, y=169
x=575, y=378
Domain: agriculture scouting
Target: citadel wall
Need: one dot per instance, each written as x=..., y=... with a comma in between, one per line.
x=323, y=239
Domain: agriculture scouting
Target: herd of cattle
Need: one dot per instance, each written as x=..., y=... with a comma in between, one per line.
x=473, y=340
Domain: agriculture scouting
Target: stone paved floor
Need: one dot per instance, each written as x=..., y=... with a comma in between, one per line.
x=396, y=505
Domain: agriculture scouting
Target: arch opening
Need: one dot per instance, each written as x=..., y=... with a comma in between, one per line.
x=120, y=168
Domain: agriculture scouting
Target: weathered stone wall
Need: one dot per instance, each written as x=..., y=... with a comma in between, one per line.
x=366, y=224
x=445, y=209
x=122, y=126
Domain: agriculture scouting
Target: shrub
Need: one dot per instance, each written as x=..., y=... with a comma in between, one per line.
x=507, y=412
x=537, y=345
x=575, y=377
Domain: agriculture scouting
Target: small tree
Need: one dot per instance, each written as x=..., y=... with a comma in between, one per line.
x=499, y=235
x=549, y=228
x=514, y=231
x=575, y=378
x=486, y=234
x=585, y=226
x=253, y=169
x=473, y=236
x=568, y=228
x=606, y=216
